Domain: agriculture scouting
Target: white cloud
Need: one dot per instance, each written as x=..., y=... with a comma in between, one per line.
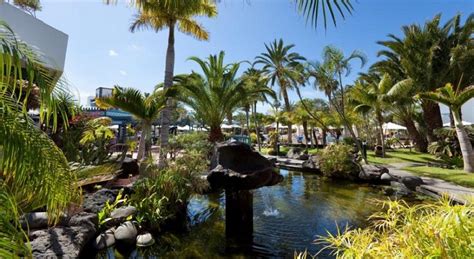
x=135, y=47
x=112, y=53
x=123, y=72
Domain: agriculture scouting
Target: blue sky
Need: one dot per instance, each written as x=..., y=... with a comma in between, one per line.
x=102, y=51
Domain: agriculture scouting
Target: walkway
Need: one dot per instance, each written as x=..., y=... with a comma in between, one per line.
x=433, y=186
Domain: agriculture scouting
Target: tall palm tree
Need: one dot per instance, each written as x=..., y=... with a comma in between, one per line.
x=284, y=68
x=454, y=99
x=339, y=65
x=176, y=14
x=145, y=107
x=255, y=79
x=34, y=173
x=430, y=55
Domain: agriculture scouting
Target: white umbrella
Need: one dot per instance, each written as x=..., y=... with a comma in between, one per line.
x=465, y=123
x=184, y=128
x=393, y=126
x=226, y=126
x=114, y=127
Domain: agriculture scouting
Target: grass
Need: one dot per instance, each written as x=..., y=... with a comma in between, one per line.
x=284, y=150
x=401, y=156
x=457, y=176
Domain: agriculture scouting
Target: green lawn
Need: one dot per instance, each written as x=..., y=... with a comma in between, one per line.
x=284, y=150
x=400, y=156
x=457, y=176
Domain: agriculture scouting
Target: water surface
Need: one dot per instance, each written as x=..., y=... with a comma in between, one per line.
x=288, y=217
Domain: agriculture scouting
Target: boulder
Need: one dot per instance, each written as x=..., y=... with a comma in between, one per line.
x=312, y=162
x=387, y=177
x=238, y=167
x=64, y=241
x=96, y=201
x=378, y=151
x=372, y=173
x=126, y=232
x=297, y=153
x=145, y=239
x=105, y=239
x=123, y=212
x=411, y=182
x=130, y=166
x=34, y=220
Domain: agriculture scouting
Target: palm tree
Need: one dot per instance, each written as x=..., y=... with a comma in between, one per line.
x=176, y=14
x=283, y=67
x=339, y=65
x=454, y=99
x=312, y=8
x=145, y=107
x=255, y=79
x=214, y=93
x=430, y=55
x=34, y=173
x=370, y=95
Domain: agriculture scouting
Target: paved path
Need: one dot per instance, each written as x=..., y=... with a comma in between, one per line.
x=434, y=186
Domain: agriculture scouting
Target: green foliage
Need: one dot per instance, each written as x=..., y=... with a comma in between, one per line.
x=161, y=196
x=193, y=141
x=253, y=137
x=104, y=214
x=96, y=141
x=336, y=161
x=438, y=230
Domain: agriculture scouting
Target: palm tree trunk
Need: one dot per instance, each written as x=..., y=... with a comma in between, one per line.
x=247, y=118
x=169, y=72
x=314, y=138
x=432, y=117
x=215, y=134
x=142, y=143
x=288, y=109
x=256, y=126
x=420, y=141
x=464, y=143
x=305, y=132
x=381, y=136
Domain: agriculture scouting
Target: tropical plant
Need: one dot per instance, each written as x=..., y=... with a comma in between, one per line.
x=434, y=230
x=430, y=55
x=163, y=197
x=255, y=79
x=215, y=93
x=103, y=215
x=454, y=98
x=30, y=163
x=144, y=107
x=96, y=141
x=337, y=161
x=283, y=67
x=29, y=6
x=176, y=14
x=370, y=95
x=311, y=9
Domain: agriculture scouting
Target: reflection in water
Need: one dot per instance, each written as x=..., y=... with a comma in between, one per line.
x=287, y=217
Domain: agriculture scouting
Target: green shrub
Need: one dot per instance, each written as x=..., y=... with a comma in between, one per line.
x=336, y=161
x=190, y=142
x=253, y=137
x=161, y=196
x=438, y=230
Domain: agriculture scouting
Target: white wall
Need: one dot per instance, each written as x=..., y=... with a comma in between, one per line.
x=51, y=43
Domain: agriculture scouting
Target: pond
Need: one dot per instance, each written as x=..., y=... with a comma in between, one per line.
x=288, y=217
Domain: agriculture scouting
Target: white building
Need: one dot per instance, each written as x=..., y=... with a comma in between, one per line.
x=48, y=41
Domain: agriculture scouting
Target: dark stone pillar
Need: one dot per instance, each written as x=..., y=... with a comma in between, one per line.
x=239, y=217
